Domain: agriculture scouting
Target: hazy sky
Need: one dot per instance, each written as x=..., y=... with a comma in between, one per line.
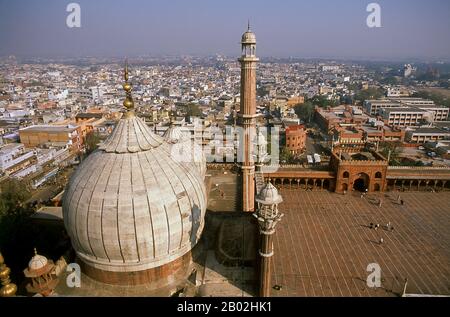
x=299, y=28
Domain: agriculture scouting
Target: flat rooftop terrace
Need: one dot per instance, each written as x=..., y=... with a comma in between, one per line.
x=323, y=244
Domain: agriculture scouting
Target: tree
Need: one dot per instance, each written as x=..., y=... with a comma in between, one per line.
x=193, y=110
x=286, y=157
x=395, y=149
x=438, y=98
x=19, y=234
x=371, y=93
x=12, y=197
x=305, y=111
x=92, y=141
x=323, y=102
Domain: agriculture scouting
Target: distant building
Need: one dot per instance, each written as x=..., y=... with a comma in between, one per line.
x=418, y=105
x=408, y=70
x=423, y=135
x=296, y=139
x=398, y=92
x=36, y=136
x=438, y=113
x=330, y=68
x=293, y=101
x=331, y=118
x=372, y=107
x=405, y=116
x=383, y=134
x=14, y=157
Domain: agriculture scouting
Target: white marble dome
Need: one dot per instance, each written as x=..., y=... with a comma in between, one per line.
x=37, y=262
x=269, y=195
x=175, y=134
x=248, y=37
x=130, y=206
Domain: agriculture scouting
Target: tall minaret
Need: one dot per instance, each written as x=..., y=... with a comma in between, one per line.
x=247, y=116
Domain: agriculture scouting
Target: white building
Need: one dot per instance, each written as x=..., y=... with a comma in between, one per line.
x=405, y=117
x=12, y=155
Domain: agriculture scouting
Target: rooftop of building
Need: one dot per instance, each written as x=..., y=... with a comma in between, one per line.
x=382, y=101
x=433, y=106
x=371, y=129
x=403, y=109
x=363, y=156
x=9, y=147
x=431, y=131
x=89, y=115
x=295, y=128
x=442, y=124
x=372, y=156
x=49, y=128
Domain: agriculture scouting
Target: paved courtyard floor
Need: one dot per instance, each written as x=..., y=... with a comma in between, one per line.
x=323, y=244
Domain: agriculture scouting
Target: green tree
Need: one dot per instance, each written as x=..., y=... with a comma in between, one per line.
x=322, y=101
x=305, y=111
x=13, y=195
x=371, y=93
x=92, y=141
x=193, y=110
x=286, y=157
x=392, y=148
x=438, y=98
x=19, y=234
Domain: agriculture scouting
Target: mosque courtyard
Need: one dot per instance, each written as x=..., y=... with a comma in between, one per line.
x=324, y=244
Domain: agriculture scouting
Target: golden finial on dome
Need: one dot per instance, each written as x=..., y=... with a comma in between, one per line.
x=125, y=75
x=128, y=103
x=8, y=288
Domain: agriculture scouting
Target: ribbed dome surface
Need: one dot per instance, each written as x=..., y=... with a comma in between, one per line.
x=130, y=206
x=248, y=38
x=37, y=262
x=269, y=195
x=131, y=135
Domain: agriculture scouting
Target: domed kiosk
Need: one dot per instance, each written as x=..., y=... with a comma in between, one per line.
x=132, y=211
x=185, y=150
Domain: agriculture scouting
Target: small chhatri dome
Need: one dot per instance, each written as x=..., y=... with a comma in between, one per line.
x=248, y=37
x=269, y=195
x=175, y=133
x=131, y=206
x=37, y=262
x=260, y=139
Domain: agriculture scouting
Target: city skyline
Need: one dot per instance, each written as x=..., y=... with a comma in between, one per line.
x=410, y=29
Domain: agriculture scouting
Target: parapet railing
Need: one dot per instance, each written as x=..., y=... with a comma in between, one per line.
x=419, y=168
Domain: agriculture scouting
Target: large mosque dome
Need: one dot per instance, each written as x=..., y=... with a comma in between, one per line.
x=131, y=206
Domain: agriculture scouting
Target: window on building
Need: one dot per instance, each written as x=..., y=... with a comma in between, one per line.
x=346, y=175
